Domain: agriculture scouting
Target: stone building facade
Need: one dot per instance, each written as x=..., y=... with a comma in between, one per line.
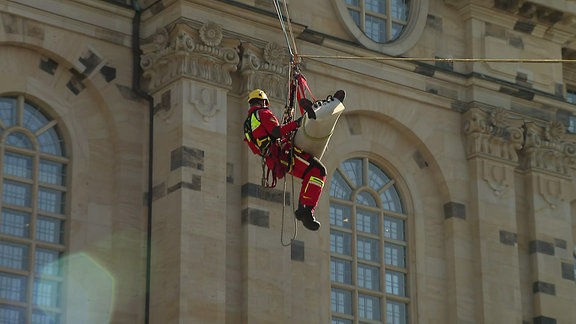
x=128, y=195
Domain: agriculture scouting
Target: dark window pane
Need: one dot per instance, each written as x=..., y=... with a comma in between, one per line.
x=368, y=277
x=391, y=200
x=340, y=271
x=50, y=142
x=341, y=301
x=396, y=313
x=376, y=177
x=33, y=119
x=394, y=228
x=49, y=230
x=13, y=287
x=340, y=242
x=19, y=140
x=376, y=28
x=340, y=215
x=15, y=223
x=369, y=307
x=18, y=165
x=400, y=9
x=47, y=262
x=8, y=111
x=16, y=193
x=13, y=255
x=50, y=200
x=12, y=314
x=376, y=6
x=367, y=221
x=395, y=255
x=51, y=172
x=339, y=188
x=366, y=199
x=353, y=170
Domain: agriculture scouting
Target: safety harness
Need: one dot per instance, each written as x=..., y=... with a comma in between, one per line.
x=262, y=146
x=258, y=146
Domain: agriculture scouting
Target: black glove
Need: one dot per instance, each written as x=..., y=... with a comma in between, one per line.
x=307, y=105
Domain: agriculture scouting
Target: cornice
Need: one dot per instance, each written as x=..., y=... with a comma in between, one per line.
x=542, y=18
x=88, y=18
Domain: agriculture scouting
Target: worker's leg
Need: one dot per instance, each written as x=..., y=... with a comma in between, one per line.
x=313, y=174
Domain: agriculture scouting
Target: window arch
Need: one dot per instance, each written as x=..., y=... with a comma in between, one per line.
x=33, y=213
x=368, y=246
x=388, y=26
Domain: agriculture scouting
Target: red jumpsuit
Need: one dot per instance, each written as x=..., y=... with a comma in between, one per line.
x=277, y=156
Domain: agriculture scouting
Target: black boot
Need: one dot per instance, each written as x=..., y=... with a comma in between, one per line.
x=304, y=214
x=340, y=95
x=307, y=105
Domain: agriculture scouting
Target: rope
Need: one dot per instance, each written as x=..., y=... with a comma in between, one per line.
x=290, y=27
x=283, y=216
x=437, y=59
x=284, y=200
x=283, y=26
x=289, y=107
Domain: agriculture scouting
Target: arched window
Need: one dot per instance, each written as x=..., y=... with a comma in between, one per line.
x=368, y=246
x=381, y=20
x=388, y=26
x=33, y=213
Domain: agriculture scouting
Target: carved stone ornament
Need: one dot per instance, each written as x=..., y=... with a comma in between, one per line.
x=205, y=101
x=492, y=134
x=544, y=149
x=265, y=68
x=182, y=51
x=496, y=135
x=551, y=190
x=554, y=132
x=211, y=34
x=497, y=177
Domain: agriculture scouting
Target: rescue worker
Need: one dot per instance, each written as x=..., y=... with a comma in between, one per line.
x=267, y=138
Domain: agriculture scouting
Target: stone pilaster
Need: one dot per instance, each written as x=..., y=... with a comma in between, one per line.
x=492, y=142
x=188, y=72
x=547, y=160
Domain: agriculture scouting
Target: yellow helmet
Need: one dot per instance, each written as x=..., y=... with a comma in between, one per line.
x=258, y=94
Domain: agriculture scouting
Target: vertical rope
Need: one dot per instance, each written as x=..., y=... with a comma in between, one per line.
x=283, y=26
x=290, y=28
x=288, y=111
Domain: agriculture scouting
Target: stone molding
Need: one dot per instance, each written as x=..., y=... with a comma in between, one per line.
x=522, y=8
x=265, y=68
x=495, y=134
x=182, y=51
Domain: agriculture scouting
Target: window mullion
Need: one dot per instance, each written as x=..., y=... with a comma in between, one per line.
x=362, y=16
x=354, y=262
x=389, y=21
x=33, y=224
x=30, y=284
x=46, y=127
x=20, y=111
